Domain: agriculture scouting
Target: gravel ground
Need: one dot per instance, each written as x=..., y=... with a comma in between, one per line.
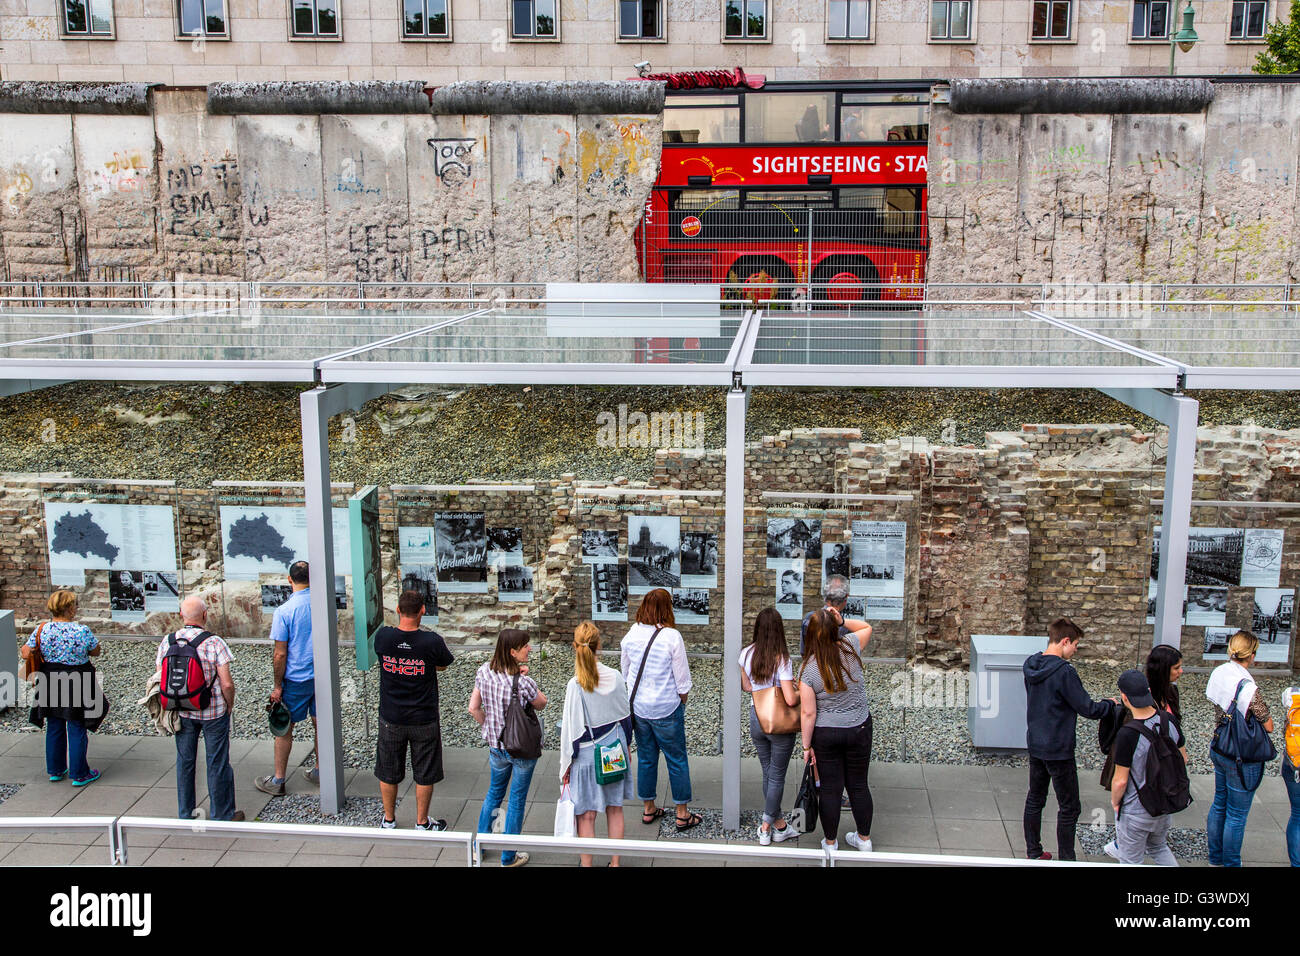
x=912, y=734
x=1186, y=842
x=305, y=808
x=7, y=790
x=543, y=432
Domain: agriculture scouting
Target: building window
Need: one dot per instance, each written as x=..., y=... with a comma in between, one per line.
x=746, y=19
x=203, y=18
x=950, y=20
x=88, y=18
x=315, y=18
x=1150, y=20
x=425, y=18
x=1249, y=19
x=849, y=20
x=1052, y=19
x=535, y=18
x=640, y=20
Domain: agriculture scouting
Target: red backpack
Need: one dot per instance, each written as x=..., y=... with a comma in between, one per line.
x=184, y=685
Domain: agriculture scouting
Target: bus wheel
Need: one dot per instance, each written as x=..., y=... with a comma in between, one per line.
x=762, y=280
x=845, y=282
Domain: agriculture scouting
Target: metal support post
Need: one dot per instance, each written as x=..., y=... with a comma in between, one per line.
x=733, y=605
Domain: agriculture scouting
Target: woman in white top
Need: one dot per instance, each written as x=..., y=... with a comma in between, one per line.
x=1234, y=784
x=654, y=666
x=595, y=712
x=763, y=665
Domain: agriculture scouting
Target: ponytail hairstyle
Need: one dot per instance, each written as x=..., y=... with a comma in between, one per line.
x=586, y=642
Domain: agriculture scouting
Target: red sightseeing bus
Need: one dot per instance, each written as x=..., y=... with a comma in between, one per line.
x=786, y=190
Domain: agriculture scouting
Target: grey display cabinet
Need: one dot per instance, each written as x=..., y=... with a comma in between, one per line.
x=996, y=712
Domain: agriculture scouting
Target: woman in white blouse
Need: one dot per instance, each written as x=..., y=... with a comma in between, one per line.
x=659, y=678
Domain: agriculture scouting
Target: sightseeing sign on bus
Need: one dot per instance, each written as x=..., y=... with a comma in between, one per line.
x=788, y=184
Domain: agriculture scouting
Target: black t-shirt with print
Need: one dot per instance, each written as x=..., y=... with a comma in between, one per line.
x=408, y=675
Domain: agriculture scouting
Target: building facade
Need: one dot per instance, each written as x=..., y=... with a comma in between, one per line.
x=194, y=42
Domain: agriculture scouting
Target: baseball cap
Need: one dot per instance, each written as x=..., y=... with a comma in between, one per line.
x=279, y=718
x=1133, y=684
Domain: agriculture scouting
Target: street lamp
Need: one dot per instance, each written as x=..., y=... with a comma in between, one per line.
x=1185, y=38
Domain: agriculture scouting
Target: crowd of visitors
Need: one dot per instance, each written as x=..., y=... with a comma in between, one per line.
x=823, y=701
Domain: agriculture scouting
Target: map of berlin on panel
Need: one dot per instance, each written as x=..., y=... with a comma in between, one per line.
x=79, y=534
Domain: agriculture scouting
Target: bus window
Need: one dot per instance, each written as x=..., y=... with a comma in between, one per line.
x=713, y=120
x=801, y=198
x=884, y=118
x=885, y=213
x=790, y=118
x=697, y=199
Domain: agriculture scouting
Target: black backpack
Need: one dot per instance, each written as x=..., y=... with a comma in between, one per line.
x=1166, y=788
x=184, y=685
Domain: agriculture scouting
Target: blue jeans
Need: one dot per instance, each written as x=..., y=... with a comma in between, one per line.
x=66, y=743
x=1292, y=781
x=517, y=774
x=221, y=776
x=669, y=735
x=1233, y=793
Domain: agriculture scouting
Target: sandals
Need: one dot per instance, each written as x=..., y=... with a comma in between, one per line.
x=649, y=818
x=694, y=820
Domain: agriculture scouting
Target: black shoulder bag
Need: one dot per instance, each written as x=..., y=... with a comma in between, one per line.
x=521, y=732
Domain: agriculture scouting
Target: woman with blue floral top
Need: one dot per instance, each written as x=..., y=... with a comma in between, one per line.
x=66, y=649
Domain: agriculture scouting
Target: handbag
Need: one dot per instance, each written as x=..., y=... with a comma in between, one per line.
x=806, y=801
x=35, y=659
x=565, y=822
x=611, y=758
x=1242, y=738
x=521, y=731
x=775, y=716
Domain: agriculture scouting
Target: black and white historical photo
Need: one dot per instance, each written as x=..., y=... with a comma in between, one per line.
x=791, y=541
x=691, y=605
x=835, y=560
x=856, y=608
x=340, y=592
x=1214, y=556
x=1206, y=606
x=599, y=546
x=126, y=595
x=273, y=595
x=460, y=543
x=515, y=584
x=162, y=591
x=699, y=559
x=1261, y=560
x=878, y=560
x=609, y=592
x=1271, y=622
x=789, y=594
x=505, y=547
x=1216, y=643
x=653, y=553
x=423, y=580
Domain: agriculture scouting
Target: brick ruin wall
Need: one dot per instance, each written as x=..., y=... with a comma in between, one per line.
x=1049, y=520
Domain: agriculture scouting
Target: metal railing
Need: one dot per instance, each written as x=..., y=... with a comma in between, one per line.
x=117, y=830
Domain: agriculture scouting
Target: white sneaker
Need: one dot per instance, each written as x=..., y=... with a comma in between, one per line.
x=764, y=837
x=780, y=836
x=830, y=846
x=388, y=824
x=855, y=841
x=1111, y=850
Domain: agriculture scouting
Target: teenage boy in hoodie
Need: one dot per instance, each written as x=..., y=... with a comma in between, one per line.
x=1055, y=698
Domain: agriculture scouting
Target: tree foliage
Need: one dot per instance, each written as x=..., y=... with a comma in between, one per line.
x=1283, y=42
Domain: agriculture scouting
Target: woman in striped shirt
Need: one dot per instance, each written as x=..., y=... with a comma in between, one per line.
x=836, y=723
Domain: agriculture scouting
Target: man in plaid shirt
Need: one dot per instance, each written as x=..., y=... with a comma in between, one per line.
x=213, y=721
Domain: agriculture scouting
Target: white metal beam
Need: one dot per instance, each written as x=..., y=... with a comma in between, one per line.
x=733, y=605
x=1180, y=414
x=318, y=406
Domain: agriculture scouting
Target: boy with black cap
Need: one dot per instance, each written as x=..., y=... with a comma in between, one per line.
x=1137, y=832
x=1054, y=698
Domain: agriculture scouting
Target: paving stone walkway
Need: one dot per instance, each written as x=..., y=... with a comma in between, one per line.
x=924, y=808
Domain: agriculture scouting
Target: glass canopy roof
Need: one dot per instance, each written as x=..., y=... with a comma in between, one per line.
x=647, y=341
